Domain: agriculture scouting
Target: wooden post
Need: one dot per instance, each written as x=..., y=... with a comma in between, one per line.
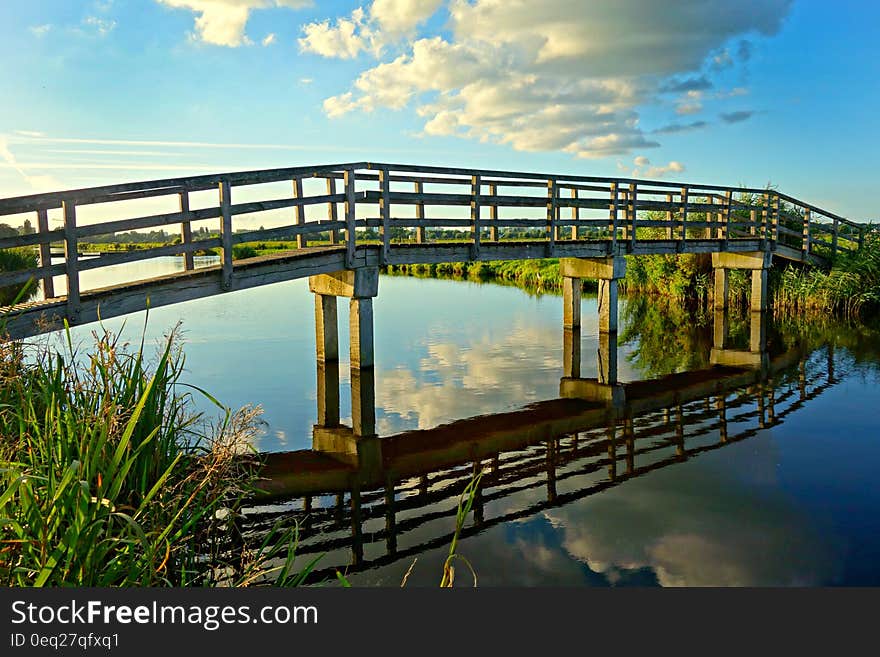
x=71, y=260
x=226, y=233
x=612, y=220
x=493, y=214
x=684, y=212
x=753, y=219
x=805, y=243
x=349, y=218
x=575, y=214
x=669, y=217
x=774, y=229
x=420, y=215
x=765, y=217
x=301, y=240
x=632, y=217
x=475, y=217
x=725, y=223
x=607, y=305
x=332, y=214
x=45, y=253
x=834, y=238
x=551, y=217
x=385, y=214
x=759, y=295
x=186, y=232
x=722, y=277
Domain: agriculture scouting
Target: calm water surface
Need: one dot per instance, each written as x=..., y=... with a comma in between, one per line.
x=788, y=500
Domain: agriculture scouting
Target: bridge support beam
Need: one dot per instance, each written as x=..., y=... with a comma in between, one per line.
x=758, y=262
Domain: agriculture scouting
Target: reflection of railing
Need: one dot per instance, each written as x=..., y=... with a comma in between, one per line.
x=644, y=427
x=553, y=215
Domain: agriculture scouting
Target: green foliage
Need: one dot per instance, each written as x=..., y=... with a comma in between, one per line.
x=242, y=251
x=16, y=260
x=851, y=288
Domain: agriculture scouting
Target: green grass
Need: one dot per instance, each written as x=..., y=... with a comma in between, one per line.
x=107, y=477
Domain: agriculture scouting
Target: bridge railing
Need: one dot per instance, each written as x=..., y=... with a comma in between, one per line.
x=394, y=205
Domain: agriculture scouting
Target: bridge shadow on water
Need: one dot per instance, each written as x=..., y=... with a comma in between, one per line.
x=365, y=501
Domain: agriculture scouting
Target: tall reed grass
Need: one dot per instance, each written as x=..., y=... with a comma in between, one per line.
x=108, y=477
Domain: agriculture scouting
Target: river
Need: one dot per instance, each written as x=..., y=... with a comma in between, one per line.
x=789, y=500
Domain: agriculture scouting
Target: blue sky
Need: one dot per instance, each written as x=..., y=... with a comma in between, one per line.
x=752, y=92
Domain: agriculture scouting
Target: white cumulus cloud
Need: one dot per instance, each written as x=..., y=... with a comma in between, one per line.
x=555, y=75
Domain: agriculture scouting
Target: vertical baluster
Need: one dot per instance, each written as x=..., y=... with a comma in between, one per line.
x=633, y=202
x=684, y=214
x=805, y=243
x=301, y=240
x=612, y=219
x=349, y=218
x=71, y=260
x=226, y=233
x=725, y=221
x=774, y=229
x=45, y=252
x=476, y=228
x=332, y=213
x=669, y=217
x=575, y=214
x=765, y=218
x=420, y=215
x=385, y=214
x=552, y=195
x=186, y=232
x=834, y=238
x=493, y=214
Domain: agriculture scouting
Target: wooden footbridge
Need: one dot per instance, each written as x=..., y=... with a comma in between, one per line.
x=351, y=218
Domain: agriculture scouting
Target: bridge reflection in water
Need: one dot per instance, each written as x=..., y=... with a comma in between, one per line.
x=362, y=498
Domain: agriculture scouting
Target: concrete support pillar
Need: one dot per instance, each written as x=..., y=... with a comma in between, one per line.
x=360, y=326
x=607, y=358
x=571, y=300
x=571, y=353
x=759, y=295
x=722, y=278
x=328, y=393
x=326, y=331
x=607, y=305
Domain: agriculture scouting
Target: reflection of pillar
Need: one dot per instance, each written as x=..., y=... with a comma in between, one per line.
x=722, y=279
x=571, y=352
x=758, y=332
x=571, y=300
x=679, y=431
x=328, y=393
x=771, y=404
x=363, y=402
x=478, y=495
x=326, y=331
x=607, y=358
x=721, y=329
x=802, y=378
x=612, y=452
x=761, y=414
x=357, y=541
x=551, y=470
x=629, y=437
x=390, y=519
x=830, y=363
x=721, y=405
